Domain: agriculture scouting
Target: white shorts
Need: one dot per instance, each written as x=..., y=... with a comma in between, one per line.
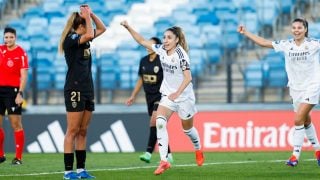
x=305, y=96
x=186, y=109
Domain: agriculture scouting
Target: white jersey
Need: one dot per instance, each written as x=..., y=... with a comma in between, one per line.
x=173, y=67
x=301, y=62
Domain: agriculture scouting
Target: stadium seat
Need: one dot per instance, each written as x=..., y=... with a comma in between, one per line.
x=254, y=75
x=109, y=77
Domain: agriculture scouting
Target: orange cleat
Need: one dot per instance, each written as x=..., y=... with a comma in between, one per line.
x=292, y=161
x=164, y=165
x=199, y=157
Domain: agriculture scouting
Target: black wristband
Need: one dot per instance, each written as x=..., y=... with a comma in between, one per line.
x=21, y=93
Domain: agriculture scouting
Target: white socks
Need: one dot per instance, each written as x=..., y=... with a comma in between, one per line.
x=298, y=138
x=312, y=136
x=162, y=135
x=194, y=137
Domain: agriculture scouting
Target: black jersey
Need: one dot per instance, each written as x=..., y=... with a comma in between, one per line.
x=78, y=58
x=151, y=74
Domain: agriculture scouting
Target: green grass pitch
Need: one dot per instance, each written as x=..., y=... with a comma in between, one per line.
x=218, y=165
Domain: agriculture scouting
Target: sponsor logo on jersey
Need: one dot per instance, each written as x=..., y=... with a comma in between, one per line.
x=155, y=69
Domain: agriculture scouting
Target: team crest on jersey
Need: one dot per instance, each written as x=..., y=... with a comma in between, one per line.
x=157, y=45
x=10, y=63
x=277, y=42
x=74, y=104
x=156, y=69
x=306, y=48
x=74, y=36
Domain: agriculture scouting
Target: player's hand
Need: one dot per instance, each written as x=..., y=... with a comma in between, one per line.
x=19, y=99
x=86, y=6
x=84, y=11
x=241, y=29
x=173, y=96
x=124, y=24
x=130, y=101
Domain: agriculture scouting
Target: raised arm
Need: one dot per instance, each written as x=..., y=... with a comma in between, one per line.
x=89, y=35
x=136, y=36
x=100, y=27
x=256, y=39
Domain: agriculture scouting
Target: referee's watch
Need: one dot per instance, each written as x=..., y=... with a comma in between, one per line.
x=21, y=93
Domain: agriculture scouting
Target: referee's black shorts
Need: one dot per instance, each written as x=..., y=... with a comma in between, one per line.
x=8, y=101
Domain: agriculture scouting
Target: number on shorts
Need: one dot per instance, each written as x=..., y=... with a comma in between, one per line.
x=75, y=96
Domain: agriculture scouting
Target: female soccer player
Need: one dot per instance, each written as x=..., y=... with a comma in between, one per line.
x=176, y=89
x=78, y=89
x=303, y=70
x=13, y=79
x=150, y=77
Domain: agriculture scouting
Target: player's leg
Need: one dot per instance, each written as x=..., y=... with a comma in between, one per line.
x=152, y=140
x=301, y=116
x=19, y=137
x=186, y=112
x=81, y=140
x=163, y=114
x=2, y=136
x=312, y=137
x=14, y=114
x=73, y=124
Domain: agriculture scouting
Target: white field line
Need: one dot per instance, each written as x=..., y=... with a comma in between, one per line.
x=147, y=167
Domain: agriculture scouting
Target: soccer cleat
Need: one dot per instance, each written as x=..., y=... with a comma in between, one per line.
x=199, y=157
x=71, y=175
x=292, y=161
x=2, y=159
x=162, y=167
x=85, y=175
x=146, y=157
x=170, y=158
x=16, y=161
x=318, y=156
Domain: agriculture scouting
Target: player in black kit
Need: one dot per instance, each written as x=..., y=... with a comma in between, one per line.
x=150, y=77
x=78, y=89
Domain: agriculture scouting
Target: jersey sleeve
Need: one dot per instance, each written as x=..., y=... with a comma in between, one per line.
x=158, y=49
x=140, y=68
x=24, y=60
x=71, y=40
x=184, y=64
x=279, y=45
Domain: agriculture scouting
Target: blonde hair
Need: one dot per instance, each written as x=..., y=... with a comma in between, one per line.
x=74, y=21
x=180, y=34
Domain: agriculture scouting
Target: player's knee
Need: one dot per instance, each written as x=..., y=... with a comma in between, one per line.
x=161, y=122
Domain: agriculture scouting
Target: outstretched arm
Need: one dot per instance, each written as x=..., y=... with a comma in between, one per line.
x=135, y=91
x=136, y=36
x=256, y=39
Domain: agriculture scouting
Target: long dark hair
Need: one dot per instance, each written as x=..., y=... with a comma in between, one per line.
x=304, y=22
x=156, y=40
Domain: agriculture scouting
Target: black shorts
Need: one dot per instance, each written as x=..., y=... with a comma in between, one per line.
x=153, y=103
x=77, y=101
x=7, y=101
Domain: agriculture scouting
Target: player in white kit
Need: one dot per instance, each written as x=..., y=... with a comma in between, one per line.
x=303, y=70
x=176, y=89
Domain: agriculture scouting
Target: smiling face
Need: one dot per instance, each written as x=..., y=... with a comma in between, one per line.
x=9, y=39
x=298, y=30
x=170, y=40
